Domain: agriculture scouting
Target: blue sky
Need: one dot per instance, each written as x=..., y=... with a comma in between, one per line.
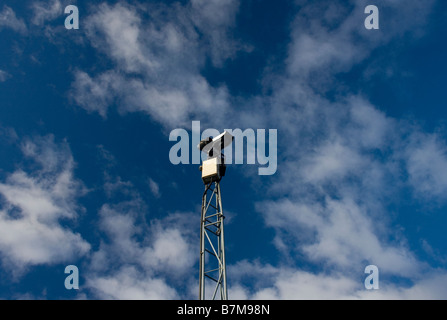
x=85, y=176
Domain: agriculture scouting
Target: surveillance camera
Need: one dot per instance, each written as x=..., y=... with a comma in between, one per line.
x=204, y=142
x=216, y=145
x=214, y=168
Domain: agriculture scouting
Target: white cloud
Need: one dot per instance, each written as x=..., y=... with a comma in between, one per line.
x=338, y=234
x=329, y=37
x=8, y=135
x=332, y=161
x=4, y=76
x=159, y=61
x=216, y=20
x=342, y=162
x=46, y=11
x=426, y=156
x=170, y=250
x=155, y=188
x=35, y=204
x=119, y=31
x=95, y=95
x=305, y=285
x=369, y=127
x=9, y=19
x=117, y=186
x=290, y=284
x=130, y=284
x=145, y=261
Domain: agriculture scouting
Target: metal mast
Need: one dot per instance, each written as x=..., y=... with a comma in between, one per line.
x=212, y=244
x=212, y=267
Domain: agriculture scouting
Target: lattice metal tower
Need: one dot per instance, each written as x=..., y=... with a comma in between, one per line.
x=212, y=269
x=212, y=243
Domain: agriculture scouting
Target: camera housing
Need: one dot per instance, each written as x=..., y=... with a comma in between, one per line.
x=212, y=146
x=213, y=169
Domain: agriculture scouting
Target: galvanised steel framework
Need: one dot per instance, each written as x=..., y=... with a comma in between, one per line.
x=212, y=245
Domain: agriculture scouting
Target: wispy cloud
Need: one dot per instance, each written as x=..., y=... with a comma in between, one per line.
x=292, y=284
x=4, y=76
x=426, y=165
x=127, y=283
x=46, y=11
x=344, y=165
x=155, y=188
x=8, y=19
x=159, y=61
x=148, y=268
x=35, y=203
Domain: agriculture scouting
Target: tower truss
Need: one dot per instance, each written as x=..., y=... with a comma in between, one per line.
x=212, y=245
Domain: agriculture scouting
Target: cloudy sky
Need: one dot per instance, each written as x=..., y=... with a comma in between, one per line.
x=85, y=175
